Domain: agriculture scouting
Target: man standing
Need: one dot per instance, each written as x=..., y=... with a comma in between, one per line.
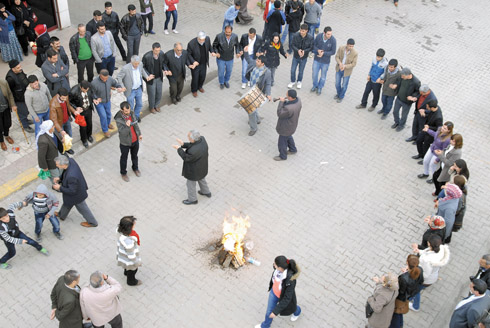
x=407, y=94
x=483, y=270
x=224, y=45
x=103, y=49
x=37, y=99
x=312, y=18
x=65, y=301
x=153, y=64
x=294, y=15
x=175, y=62
x=55, y=72
x=288, y=115
x=275, y=20
x=425, y=95
x=60, y=112
x=56, y=45
x=324, y=46
x=18, y=83
x=81, y=96
x=131, y=77
x=132, y=27
x=374, y=84
x=302, y=44
x=7, y=103
x=433, y=120
x=346, y=59
x=129, y=138
x=74, y=188
x=199, y=49
x=92, y=25
x=259, y=75
x=251, y=44
x=100, y=301
x=101, y=88
x=195, y=156
x=147, y=14
x=81, y=53
x=471, y=309
x=391, y=81
x=111, y=20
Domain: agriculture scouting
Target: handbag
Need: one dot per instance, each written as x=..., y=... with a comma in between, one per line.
x=20, y=30
x=369, y=310
x=401, y=307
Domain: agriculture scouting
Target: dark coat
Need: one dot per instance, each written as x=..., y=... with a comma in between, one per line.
x=300, y=43
x=408, y=287
x=194, y=50
x=287, y=301
x=111, y=22
x=288, y=116
x=172, y=64
x=18, y=84
x=434, y=119
x=408, y=88
x=43, y=44
x=124, y=131
x=66, y=301
x=257, y=45
x=91, y=26
x=485, y=276
x=76, y=100
x=272, y=58
x=294, y=20
x=423, y=105
x=148, y=64
x=74, y=45
x=46, y=152
x=274, y=24
x=469, y=314
x=195, y=158
x=124, y=25
x=425, y=238
x=225, y=49
x=73, y=185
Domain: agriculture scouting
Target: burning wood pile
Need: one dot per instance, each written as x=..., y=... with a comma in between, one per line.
x=234, y=231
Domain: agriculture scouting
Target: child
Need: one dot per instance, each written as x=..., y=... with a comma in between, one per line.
x=231, y=14
x=11, y=235
x=128, y=254
x=44, y=204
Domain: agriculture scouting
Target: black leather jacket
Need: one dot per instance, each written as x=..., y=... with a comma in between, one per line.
x=111, y=22
x=76, y=99
x=124, y=25
x=148, y=64
x=75, y=45
x=225, y=49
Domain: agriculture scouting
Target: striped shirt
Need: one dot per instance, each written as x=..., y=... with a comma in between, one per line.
x=9, y=231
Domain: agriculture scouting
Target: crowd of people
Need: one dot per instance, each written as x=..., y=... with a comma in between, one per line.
x=53, y=105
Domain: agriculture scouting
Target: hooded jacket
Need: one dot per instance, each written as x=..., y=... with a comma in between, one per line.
x=287, y=301
x=51, y=204
x=431, y=262
x=383, y=304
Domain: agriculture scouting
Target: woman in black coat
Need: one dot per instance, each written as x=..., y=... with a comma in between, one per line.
x=43, y=43
x=23, y=24
x=282, y=295
x=271, y=50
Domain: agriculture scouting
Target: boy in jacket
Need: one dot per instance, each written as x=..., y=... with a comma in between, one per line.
x=374, y=83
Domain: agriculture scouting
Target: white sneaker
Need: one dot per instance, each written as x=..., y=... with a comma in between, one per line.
x=298, y=85
x=291, y=85
x=258, y=326
x=244, y=85
x=248, y=83
x=294, y=318
x=410, y=306
x=166, y=32
x=175, y=31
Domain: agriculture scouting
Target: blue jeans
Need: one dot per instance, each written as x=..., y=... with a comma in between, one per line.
x=11, y=247
x=302, y=63
x=285, y=33
x=225, y=68
x=244, y=69
x=311, y=29
x=40, y=219
x=416, y=298
x=341, y=83
x=42, y=117
x=67, y=127
x=387, y=102
x=271, y=304
x=317, y=67
x=283, y=144
x=167, y=19
x=104, y=111
x=135, y=100
x=227, y=23
x=107, y=63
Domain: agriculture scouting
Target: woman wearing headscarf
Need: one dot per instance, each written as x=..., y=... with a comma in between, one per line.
x=42, y=43
x=46, y=149
x=447, y=207
x=382, y=302
x=8, y=40
x=23, y=24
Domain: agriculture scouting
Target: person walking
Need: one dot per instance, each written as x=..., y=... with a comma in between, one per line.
x=18, y=83
x=11, y=235
x=42, y=43
x=9, y=44
x=346, y=59
x=288, y=112
x=55, y=72
x=7, y=103
x=373, y=84
x=65, y=300
x=129, y=138
x=382, y=302
x=170, y=9
x=153, y=63
x=131, y=77
x=302, y=44
x=81, y=53
x=195, y=156
x=60, y=112
x=224, y=45
x=407, y=94
x=175, y=61
x=132, y=27
x=47, y=151
x=82, y=96
x=73, y=187
x=111, y=20
x=103, y=48
x=390, y=79
x=147, y=14
x=272, y=51
x=128, y=253
x=100, y=301
x=324, y=47
x=199, y=48
x=251, y=44
x=282, y=294
x=37, y=98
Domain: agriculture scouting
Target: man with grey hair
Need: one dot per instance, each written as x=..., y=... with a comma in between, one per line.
x=81, y=53
x=421, y=111
x=153, y=63
x=65, y=300
x=484, y=270
x=175, y=62
x=74, y=188
x=195, y=156
x=199, y=48
x=100, y=302
x=131, y=77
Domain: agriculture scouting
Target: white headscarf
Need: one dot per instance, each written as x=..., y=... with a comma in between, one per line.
x=44, y=128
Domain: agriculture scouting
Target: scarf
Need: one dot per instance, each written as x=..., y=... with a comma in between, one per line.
x=256, y=73
x=40, y=29
x=276, y=45
x=44, y=129
x=135, y=234
x=452, y=191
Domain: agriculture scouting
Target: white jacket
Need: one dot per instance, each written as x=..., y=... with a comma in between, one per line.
x=431, y=262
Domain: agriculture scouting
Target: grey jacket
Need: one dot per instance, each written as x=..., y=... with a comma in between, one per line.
x=103, y=89
x=287, y=117
x=97, y=46
x=448, y=159
x=470, y=314
x=391, y=78
x=54, y=83
x=383, y=304
x=313, y=12
x=37, y=101
x=124, y=130
x=125, y=77
x=265, y=80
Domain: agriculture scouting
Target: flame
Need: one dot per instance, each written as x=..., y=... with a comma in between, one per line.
x=234, y=232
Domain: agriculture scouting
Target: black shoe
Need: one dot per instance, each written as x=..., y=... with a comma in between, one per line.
x=421, y=162
x=90, y=139
x=139, y=119
x=29, y=129
x=410, y=139
x=227, y=85
x=394, y=126
x=422, y=175
x=116, y=68
x=207, y=195
x=417, y=156
x=414, y=142
x=85, y=144
x=400, y=127
x=429, y=181
x=71, y=152
x=178, y=98
x=174, y=101
x=221, y=86
x=251, y=132
x=384, y=116
x=379, y=111
x=188, y=202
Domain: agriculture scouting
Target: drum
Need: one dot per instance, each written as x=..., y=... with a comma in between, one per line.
x=252, y=100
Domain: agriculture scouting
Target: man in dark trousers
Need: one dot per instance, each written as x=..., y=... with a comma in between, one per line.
x=275, y=20
x=425, y=95
x=7, y=103
x=92, y=25
x=111, y=20
x=471, y=309
x=225, y=45
x=129, y=138
x=65, y=301
x=81, y=53
x=73, y=186
x=18, y=83
x=288, y=115
x=302, y=44
x=260, y=76
x=433, y=119
x=132, y=27
x=407, y=94
x=251, y=44
x=81, y=96
x=199, y=49
x=153, y=63
x=195, y=156
x=175, y=62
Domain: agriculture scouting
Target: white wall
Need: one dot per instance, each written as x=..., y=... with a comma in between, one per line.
x=63, y=13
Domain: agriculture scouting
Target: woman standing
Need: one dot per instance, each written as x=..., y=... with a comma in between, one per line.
x=447, y=206
x=23, y=24
x=8, y=40
x=409, y=282
x=382, y=302
x=171, y=10
x=282, y=295
x=128, y=254
x=43, y=43
x=272, y=50
x=441, y=140
x=459, y=168
x=447, y=159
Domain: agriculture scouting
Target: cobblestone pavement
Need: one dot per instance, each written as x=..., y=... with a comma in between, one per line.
x=346, y=207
